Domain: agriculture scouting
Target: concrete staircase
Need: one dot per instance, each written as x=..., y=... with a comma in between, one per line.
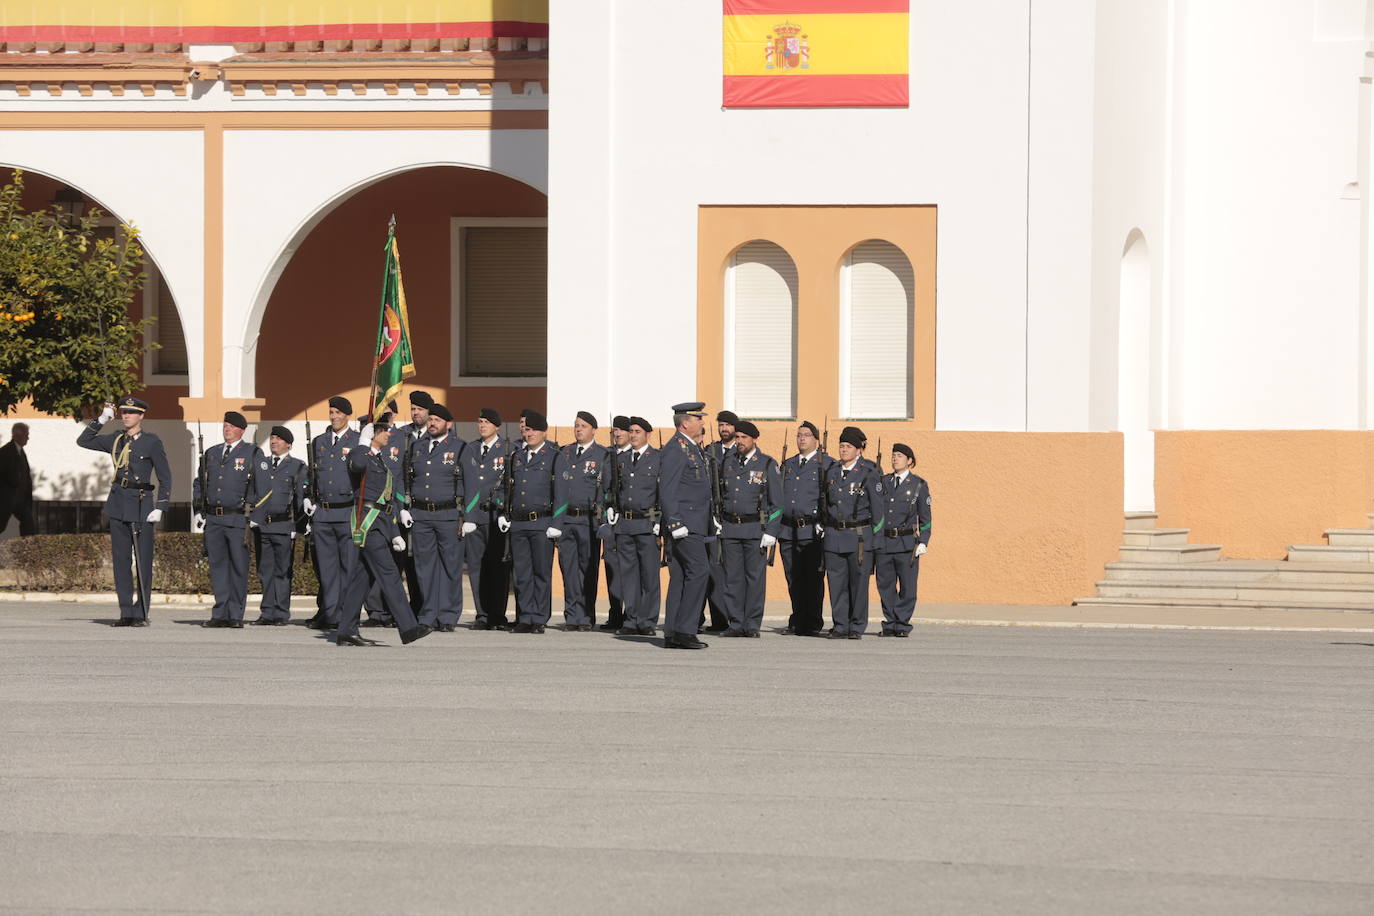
x=1159, y=568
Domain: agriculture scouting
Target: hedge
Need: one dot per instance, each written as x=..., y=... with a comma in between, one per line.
x=81, y=563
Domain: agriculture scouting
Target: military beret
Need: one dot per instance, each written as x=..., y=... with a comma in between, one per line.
x=692, y=408
x=621, y=422
x=749, y=429
x=341, y=404
x=641, y=423
x=535, y=420
x=807, y=424
x=490, y=415
x=440, y=411
x=728, y=416
x=905, y=450
x=421, y=399
x=587, y=416
x=854, y=436
x=234, y=418
x=284, y=434
x=525, y=413
x=133, y=405
x=382, y=422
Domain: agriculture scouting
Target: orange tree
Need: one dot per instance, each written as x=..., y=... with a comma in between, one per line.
x=66, y=339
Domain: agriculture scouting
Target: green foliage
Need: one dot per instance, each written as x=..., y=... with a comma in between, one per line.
x=66, y=339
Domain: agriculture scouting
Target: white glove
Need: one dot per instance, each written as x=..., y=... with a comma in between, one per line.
x=252, y=524
x=767, y=541
x=197, y=522
x=680, y=532
x=398, y=544
x=503, y=523
x=106, y=415
x=820, y=530
x=307, y=529
x=469, y=527
x=308, y=506
x=613, y=516
x=293, y=534
x=655, y=529
x=155, y=516
x=553, y=534
x=406, y=518
x=365, y=437
x=920, y=549
x=719, y=527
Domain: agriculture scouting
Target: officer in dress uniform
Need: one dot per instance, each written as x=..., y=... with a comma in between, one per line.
x=803, y=488
x=329, y=521
x=373, y=530
x=751, y=510
x=405, y=436
x=436, y=500
x=131, y=508
x=906, y=532
x=684, y=494
x=377, y=615
x=632, y=514
x=484, y=544
x=579, y=549
x=852, y=525
x=223, y=495
x=421, y=404
x=620, y=442
x=532, y=514
x=279, y=481
x=727, y=422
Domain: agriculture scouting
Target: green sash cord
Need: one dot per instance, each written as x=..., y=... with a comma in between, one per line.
x=774, y=515
x=360, y=529
x=475, y=498
x=926, y=526
x=560, y=510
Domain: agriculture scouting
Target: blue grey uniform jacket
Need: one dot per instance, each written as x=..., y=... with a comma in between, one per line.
x=751, y=503
x=228, y=478
x=279, y=493
x=436, y=477
x=370, y=473
x=136, y=461
x=584, y=476
x=334, y=484
x=684, y=487
x=482, y=478
x=803, y=492
x=539, y=496
x=853, y=507
x=907, y=515
x=637, y=501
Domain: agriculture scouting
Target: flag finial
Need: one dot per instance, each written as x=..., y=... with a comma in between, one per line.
x=391, y=226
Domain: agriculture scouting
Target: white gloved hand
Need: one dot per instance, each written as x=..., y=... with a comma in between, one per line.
x=503, y=523
x=197, y=522
x=252, y=524
x=767, y=541
x=553, y=534
x=365, y=437
x=307, y=528
x=612, y=516
x=106, y=415
x=820, y=530
x=308, y=506
x=469, y=527
x=398, y=544
x=155, y=516
x=293, y=534
x=920, y=549
x=406, y=519
x=719, y=526
x=680, y=532
x=656, y=529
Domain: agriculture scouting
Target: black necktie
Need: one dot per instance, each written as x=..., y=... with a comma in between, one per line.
x=276, y=460
x=484, y=451
x=844, y=474
x=634, y=459
x=432, y=443
x=580, y=449
x=801, y=464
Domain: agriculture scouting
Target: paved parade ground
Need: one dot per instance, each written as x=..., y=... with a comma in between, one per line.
x=965, y=770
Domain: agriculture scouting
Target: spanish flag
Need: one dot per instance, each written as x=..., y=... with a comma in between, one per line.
x=816, y=53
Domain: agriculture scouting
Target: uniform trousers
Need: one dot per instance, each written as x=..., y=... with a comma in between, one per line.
x=610, y=552
x=897, y=588
x=338, y=560
x=438, y=563
x=641, y=590
x=376, y=563
x=714, y=596
x=745, y=569
x=532, y=553
x=485, y=549
x=848, y=581
x=274, y=571
x=688, y=574
x=579, y=555
x=228, y=556
x=122, y=549
x=801, y=563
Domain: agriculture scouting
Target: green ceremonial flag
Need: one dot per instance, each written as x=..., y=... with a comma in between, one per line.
x=394, y=361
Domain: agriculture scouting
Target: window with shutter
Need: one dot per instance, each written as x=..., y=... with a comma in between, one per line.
x=761, y=332
x=501, y=275
x=170, y=359
x=877, y=308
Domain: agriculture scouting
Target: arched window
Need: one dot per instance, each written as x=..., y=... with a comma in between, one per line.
x=877, y=305
x=761, y=331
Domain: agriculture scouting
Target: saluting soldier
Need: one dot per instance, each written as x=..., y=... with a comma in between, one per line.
x=436, y=498
x=131, y=509
x=484, y=544
x=684, y=495
x=579, y=549
x=851, y=527
x=620, y=442
x=224, y=494
x=803, y=557
x=633, y=515
x=280, y=483
x=375, y=535
x=329, y=521
x=750, y=512
x=906, y=532
x=532, y=515
x=727, y=422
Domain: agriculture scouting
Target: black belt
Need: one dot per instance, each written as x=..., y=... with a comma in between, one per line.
x=424, y=506
x=135, y=486
x=223, y=510
x=800, y=521
x=269, y=519
x=529, y=516
x=575, y=512
x=846, y=526
x=739, y=519
x=901, y=532
x=637, y=514
x=345, y=504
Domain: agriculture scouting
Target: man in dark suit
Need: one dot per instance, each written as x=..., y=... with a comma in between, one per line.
x=16, y=481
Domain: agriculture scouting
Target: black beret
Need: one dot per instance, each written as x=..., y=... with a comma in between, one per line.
x=744, y=426
x=621, y=422
x=641, y=423
x=133, y=405
x=728, y=416
x=440, y=411
x=382, y=422
x=854, y=436
x=284, y=434
x=234, y=418
x=905, y=450
x=807, y=424
x=525, y=414
x=421, y=399
x=535, y=420
x=490, y=415
x=586, y=415
x=341, y=404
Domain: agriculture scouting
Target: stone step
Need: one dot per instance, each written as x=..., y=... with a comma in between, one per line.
x=1222, y=603
x=1171, y=553
x=1324, y=553
x=1136, y=521
x=1350, y=537
x=1274, y=593
x=1159, y=537
x=1243, y=571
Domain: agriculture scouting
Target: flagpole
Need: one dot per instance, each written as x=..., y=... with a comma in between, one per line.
x=376, y=350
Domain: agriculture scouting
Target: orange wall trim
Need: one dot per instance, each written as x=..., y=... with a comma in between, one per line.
x=1255, y=492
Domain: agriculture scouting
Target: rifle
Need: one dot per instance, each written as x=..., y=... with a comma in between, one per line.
x=198, y=506
x=880, y=454
x=250, y=487
x=825, y=436
x=408, y=476
x=508, y=497
x=312, y=486
x=143, y=596
x=773, y=551
x=717, y=502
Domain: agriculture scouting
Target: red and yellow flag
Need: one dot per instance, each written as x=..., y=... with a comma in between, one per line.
x=816, y=53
